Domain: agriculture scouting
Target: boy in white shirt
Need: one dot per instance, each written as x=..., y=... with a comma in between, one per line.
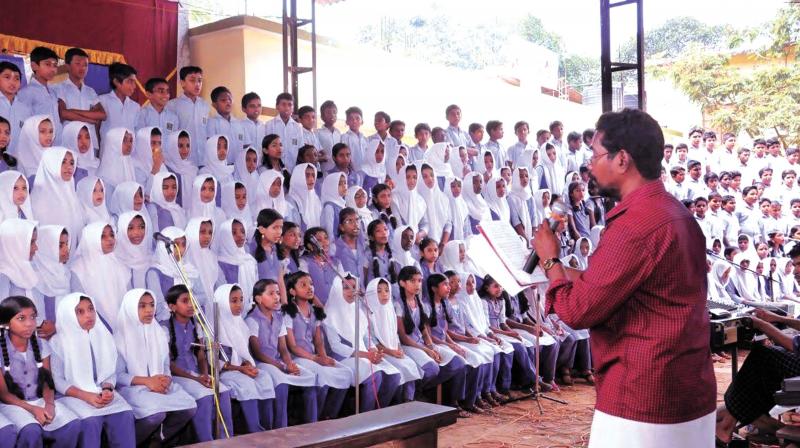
x=38, y=95
x=381, y=122
x=353, y=138
x=730, y=222
x=308, y=121
x=695, y=151
x=121, y=110
x=155, y=112
x=327, y=135
x=284, y=126
x=710, y=144
x=76, y=100
x=521, y=130
x=191, y=109
x=495, y=130
x=678, y=190
x=11, y=108
x=251, y=124
x=665, y=161
x=422, y=132
x=456, y=135
x=695, y=185
x=223, y=123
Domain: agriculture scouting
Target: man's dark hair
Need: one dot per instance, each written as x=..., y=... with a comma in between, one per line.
x=217, y=92
x=638, y=134
x=249, y=96
x=153, y=82
x=573, y=136
x=795, y=252
x=189, y=70
x=119, y=72
x=304, y=110
x=40, y=54
x=72, y=52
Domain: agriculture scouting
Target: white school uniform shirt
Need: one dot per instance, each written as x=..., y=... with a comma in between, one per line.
x=498, y=152
x=711, y=226
x=166, y=120
x=192, y=117
x=358, y=147
x=42, y=100
x=291, y=134
x=515, y=151
x=119, y=114
x=253, y=133
x=16, y=113
x=458, y=137
x=695, y=188
x=725, y=161
x=327, y=138
x=573, y=160
x=218, y=125
x=74, y=97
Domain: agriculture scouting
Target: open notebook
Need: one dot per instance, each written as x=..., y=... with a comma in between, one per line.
x=502, y=254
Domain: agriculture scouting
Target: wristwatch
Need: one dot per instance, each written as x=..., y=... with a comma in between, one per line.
x=550, y=263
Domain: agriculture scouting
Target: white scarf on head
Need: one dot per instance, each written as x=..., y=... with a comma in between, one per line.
x=157, y=197
x=716, y=287
x=553, y=173
x=437, y=206
x=15, y=251
x=583, y=262
x=248, y=178
x=69, y=137
x=476, y=206
x=518, y=196
x=144, y=347
x=122, y=198
x=383, y=316
x=54, y=277
x=142, y=155
x=182, y=167
x=233, y=331
x=401, y=256
x=218, y=168
x=7, y=206
x=228, y=252
x=435, y=157
x=473, y=307
x=204, y=259
x=85, y=192
x=407, y=203
x=340, y=316
x=372, y=167
x=540, y=211
x=232, y=210
x=135, y=256
x=451, y=256
x=29, y=151
x=330, y=189
x=458, y=209
x=164, y=261
x=115, y=167
x=53, y=199
x=364, y=213
x=305, y=199
x=263, y=198
x=497, y=204
x=195, y=206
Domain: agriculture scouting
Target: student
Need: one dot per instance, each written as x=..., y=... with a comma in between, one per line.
x=18, y=276
x=202, y=202
x=7, y=161
x=422, y=132
x=235, y=263
x=272, y=157
x=440, y=224
x=551, y=172
x=116, y=164
x=37, y=135
x=290, y=246
x=189, y=368
x=541, y=202
x=179, y=161
x=15, y=201
x=246, y=171
x=216, y=159
x=269, y=348
x=327, y=135
x=515, y=151
x=251, y=125
x=373, y=170
x=428, y=261
x=129, y=197
x=489, y=168
x=455, y=135
x=557, y=132
x=89, y=392
x=460, y=164
x=474, y=144
x=77, y=138
x=306, y=343
x=408, y=204
x=199, y=235
x=334, y=188
x=459, y=212
x=402, y=243
x=40, y=97
x=54, y=200
x=495, y=196
x=356, y=199
x=377, y=259
x=162, y=205
x=191, y=109
x=572, y=158
x=76, y=100
x=235, y=205
x=224, y=124
x=164, y=274
x=344, y=164
x=308, y=122
x=349, y=242
x=580, y=218
x=520, y=203
x=121, y=110
x=477, y=206
x=147, y=156
x=314, y=261
x=379, y=380
x=50, y=262
x=155, y=112
x=143, y=372
x=495, y=130
x=269, y=227
x=353, y=138
x=381, y=206
x=14, y=112
x=303, y=196
x=134, y=246
x=284, y=126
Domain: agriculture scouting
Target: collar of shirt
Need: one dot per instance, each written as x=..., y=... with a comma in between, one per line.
x=650, y=189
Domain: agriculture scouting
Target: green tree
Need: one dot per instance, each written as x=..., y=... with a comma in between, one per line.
x=580, y=71
x=674, y=36
x=533, y=30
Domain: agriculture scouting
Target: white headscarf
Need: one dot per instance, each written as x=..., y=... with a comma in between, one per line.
x=182, y=167
x=305, y=199
x=436, y=203
x=499, y=205
x=526, y=161
x=122, y=198
x=371, y=166
x=364, y=213
x=745, y=281
x=788, y=282
x=157, y=197
x=403, y=257
x=398, y=176
x=53, y=274
x=451, y=258
x=116, y=168
x=518, y=196
x=473, y=306
x=594, y=235
x=164, y=261
x=204, y=259
x=85, y=191
x=408, y=204
x=102, y=275
x=716, y=287
x=249, y=179
x=553, y=172
x=232, y=211
x=144, y=347
x=540, y=211
x=458, y=208
x=142, y=155
x=29, y=151
x=15, y=251
x=228, y=252
x=233, y=331
x=195, y=206
x=384, y=319
x=341, y=315
x=458, y=166
x=390, y=155
x=7, y=206
x=576, y=250
x=77, y=345
x=137, y=257
x=481, y=164
x=568, y=180
x=54, y=199
x=330, y=189
x=69, y=137
x=476, y=206
x=263, y=198
x=435, y=157
x=218, y=168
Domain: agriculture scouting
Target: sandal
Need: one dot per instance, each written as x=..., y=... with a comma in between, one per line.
x=489, y=399
x=463, y=413
x=474, y=410
x=566, y=378
x=588, y=376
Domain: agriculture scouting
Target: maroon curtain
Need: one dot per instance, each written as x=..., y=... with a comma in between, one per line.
x=144, y=31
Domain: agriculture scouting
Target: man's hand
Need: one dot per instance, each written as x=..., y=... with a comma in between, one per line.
x=545, y=243
x=767, y=316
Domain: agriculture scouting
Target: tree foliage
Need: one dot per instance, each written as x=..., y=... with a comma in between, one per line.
x=674, y=36
x=533, y=30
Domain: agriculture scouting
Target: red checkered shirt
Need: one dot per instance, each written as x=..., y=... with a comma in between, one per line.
x=643, y=297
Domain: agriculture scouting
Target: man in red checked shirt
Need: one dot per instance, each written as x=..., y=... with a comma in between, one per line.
x=643, y=297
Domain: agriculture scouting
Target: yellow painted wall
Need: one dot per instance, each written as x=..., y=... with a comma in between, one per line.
x=221, y=56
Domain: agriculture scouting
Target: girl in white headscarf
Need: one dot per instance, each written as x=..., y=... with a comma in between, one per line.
x=116, y=163
x=453, y=256
x=744, y=280
x=476, y=206
x=595, y=234
x=84, y=364
x=252, y=387
x=14, y=196
x=487, y=166
x=18, y=277
x=134, y=246
x=129, y=197
x=143, y=374
x=520, y=202
x=340, y=331
x=270, y=194
x=91, y=193
x=202, y=200
x=235, y=204
x=396, y=171
x=551, y=173
x=54, y=200
x=50, y=262
x=407, y=202
x=164, y=274
x=303, y=196
x=374, y=167
x=178, y=157
x=437, y=212
x=582, y=249
x=163, y=205
x=77, y=137
x=530, y=160
x=460, y=163
x=438, y=157
x=356, y=198
x=246, y=171
x=36, y=136
x=541, y=206
x=147, y=156
x=402, y=243
x=719, y=277
x=98, y=271
x=384, y=328
x=235, y=263
x=216, y=157
x=199, y=235
x=332, y=198
x=459, y=212
x=495, y=195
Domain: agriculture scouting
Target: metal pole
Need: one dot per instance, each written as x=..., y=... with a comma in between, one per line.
x=285, y=49
x=640, y=53
x=605, y=56
x=313, y=51
x=294, y=57
x=357, y=354
x=215, y=366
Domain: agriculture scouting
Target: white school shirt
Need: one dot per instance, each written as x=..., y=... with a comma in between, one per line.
x=572, y=161
x=119, y=114
x=218, y=125
x=42, y=100
x=166, y=120
x=358, y=147
x=498, y=152
x=327, y=138
x=458, y=137
x=16, y=113
x=192, y=117
x=253, y=133
x=74, y=97
x=514, y=152
x=291, y=134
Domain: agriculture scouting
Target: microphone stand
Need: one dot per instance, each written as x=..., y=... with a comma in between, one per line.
x=537, y=388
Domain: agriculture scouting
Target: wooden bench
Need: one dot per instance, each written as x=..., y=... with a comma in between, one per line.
x=413, y=424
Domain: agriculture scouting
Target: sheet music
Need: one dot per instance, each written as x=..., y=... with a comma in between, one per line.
x=501, y=243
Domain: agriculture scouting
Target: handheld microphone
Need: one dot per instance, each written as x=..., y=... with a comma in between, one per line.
x=315, y=242
x=158, y=236
x=558, y=211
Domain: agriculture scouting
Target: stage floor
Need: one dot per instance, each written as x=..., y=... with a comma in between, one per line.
x=519, y=424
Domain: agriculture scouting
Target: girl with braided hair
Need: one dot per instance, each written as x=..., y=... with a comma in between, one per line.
x=378, y=260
